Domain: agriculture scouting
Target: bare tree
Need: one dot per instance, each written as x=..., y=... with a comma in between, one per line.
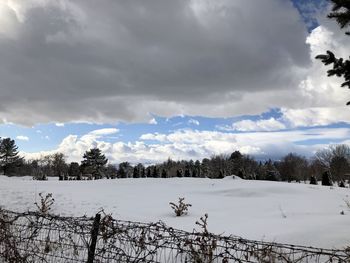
x=336, y=159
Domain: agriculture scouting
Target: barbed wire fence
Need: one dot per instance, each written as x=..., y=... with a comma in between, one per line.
x=37, y=237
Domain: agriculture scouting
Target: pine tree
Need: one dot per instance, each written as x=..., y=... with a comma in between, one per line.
x=136, y=172
x=9, y=157
x=341, y=184
x=341, y=13
x=313, y=180
x=197, y=169
x=155, y=173
x=326, y=179
x=178, y=173
x=164, y=174
x=240, y=174
x=341, y=68
x=221, y=174
x=148, y=172
x=95, y=161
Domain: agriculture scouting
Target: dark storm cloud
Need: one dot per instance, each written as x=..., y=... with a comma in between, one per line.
x=121, y=60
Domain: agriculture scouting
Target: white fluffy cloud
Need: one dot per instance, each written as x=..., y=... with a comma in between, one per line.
x=316, y=116
x=22, y=138
x=193, y=144
x=104, y=131
x=270, y=124
x=153, y=121
x=322, y=100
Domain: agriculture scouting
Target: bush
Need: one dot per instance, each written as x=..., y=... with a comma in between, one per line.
x=40, y=177
x=341, y=184
x=313, y=180
x=181, y=208
x=272, y=176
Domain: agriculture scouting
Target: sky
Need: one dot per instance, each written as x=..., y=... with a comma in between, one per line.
x=150, y=80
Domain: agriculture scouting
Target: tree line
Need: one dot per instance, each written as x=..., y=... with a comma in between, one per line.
x=335, y=160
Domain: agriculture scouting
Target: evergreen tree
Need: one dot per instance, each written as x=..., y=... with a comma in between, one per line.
x=194, y=173
x=221, y=174
x=178, y=173
x=121, y=172
x=326, y=179
x=341, y=184
x=155, y=172
x=341, y=68
x=205, y=168
x=236, y=162
x=8, y=155
x=148, y=172
x=143, y=172
x=164, y=174
x=95, y=161
x=135, y=173
x=236, y=155
x=197, y=169
x=313, y=180
x=240, y=174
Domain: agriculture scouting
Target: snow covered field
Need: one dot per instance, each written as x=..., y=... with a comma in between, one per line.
x=271, y=211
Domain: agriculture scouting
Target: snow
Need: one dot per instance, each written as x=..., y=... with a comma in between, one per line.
x=271, y=211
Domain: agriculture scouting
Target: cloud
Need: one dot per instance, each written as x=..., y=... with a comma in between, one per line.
x=193, y=122
x=194, y=144
x=316, y=116
x=318, y=100
x=153, y=136
x=105, y=131
x=137, y=58
x=311, y=10
x=22, y=138
x=260, y=125
x=153, y=121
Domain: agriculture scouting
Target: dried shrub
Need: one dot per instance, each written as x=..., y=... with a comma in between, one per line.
x=202, y=248
x=107, y=228
x=347, y=202
x=45, y=203
x=181, y=208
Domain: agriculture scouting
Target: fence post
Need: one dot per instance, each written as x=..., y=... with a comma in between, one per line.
x=94, y=234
